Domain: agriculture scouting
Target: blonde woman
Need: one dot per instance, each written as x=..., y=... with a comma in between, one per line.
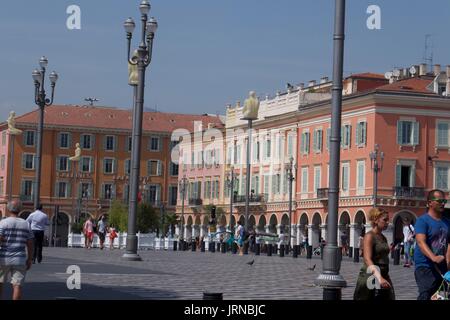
x=373, y=281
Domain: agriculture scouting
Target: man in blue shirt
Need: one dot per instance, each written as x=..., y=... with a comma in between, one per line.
x=432, y=238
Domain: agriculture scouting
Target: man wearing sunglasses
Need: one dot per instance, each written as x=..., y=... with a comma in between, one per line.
x=432, y=237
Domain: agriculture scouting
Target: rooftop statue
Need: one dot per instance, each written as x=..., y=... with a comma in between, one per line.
x=12, y=124
x=251, y=107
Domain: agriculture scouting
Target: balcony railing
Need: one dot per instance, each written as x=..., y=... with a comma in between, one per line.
x=253, y=198
x=408, y=192
x=322, y=193
x=26, y=198
x=195, y=202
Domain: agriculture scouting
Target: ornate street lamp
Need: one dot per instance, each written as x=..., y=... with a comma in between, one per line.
x=230, y=185
x=376, y=166
x=330, y=280
x=182, y=185
x=290, y=175
x=142, y=60
x=42, y=101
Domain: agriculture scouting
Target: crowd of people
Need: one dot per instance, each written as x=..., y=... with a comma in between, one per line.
x=425, y=246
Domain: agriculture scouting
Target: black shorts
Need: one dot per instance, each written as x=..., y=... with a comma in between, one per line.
x=102, y=235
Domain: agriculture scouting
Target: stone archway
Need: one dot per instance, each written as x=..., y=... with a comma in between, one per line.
x=284, y=223
x=251, y=222
x=59, y=230
x=397, y=222
x=188, y=227
x=262, y=224
x=314, y=230
x=344, y=230
x=303, y=227
x=273, y=222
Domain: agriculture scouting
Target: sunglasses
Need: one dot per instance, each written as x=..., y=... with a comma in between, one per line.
x=439, y=200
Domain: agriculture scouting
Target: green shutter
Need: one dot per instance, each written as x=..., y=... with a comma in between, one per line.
x=69, y=190
x=69, y=140
x=399, y=132
x=415, y=133
x=358, y=134
x=413, y=176
x=398, y=175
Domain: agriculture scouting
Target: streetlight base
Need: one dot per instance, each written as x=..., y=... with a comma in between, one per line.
x=131, y=257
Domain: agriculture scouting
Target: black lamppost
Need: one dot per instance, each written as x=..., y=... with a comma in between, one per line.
x=290, y=175
x=142, y=60
x=376, y=166
x=330, y=279
x=230, y=185
x=42, y=101
x=182, y=186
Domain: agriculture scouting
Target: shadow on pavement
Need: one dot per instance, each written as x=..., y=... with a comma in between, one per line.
x=59, y=291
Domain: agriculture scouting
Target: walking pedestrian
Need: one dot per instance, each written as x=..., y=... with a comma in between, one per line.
x=432, y=257
x=38, y=221
x=376, y=261
x=88, y=230
x=112, y=236
x=102, y=228
x=239, y=235
x=408, y=241
x=16, y=249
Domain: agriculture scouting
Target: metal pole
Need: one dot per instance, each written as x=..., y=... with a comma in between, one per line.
x=375, y=181
x=11, y=165
x=290, y=204
x=231, y=197
x=142, y=53
x=55, y=223
x=330, y=279
x=40, y=130
x=247, y=182
x=183, y=191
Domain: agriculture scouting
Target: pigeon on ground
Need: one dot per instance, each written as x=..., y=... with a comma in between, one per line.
x=250, y=263
x=312, y=268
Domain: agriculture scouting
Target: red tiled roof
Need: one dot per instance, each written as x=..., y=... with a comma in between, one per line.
x=414, y=85
x=367, y=75
x=112, y=118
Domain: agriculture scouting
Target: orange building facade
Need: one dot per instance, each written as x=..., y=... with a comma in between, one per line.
x=89, y=187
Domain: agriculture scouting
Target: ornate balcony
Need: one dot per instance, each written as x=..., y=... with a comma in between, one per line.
x=195, y=202
x=408, y=192
x=322, y=193
x=254, y=198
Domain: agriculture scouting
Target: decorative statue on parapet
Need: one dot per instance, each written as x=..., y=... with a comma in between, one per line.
x=77, y=155
x=251, y=107
x=133, y=75
x=12, y=124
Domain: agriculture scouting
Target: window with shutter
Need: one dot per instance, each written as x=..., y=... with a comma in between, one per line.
x=328, y=138
x=304, y=180
x=360, y=167
x=442, y=134
x=317, y=177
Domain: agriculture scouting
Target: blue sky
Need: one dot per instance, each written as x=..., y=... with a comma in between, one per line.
x=207, y=53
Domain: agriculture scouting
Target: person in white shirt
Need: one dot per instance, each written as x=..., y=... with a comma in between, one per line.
x=408, y=241
x=38, y=221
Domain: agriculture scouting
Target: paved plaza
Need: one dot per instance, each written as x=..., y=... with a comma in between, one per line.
x=186, y=275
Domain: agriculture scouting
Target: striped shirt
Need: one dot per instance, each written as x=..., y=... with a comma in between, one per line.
x=14, y=233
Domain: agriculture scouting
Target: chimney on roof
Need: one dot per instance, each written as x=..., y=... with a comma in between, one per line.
x=422, y=69
x=312, y=83
x=437, y=69
x=323, y=80
x=406, y=73
x=447, y=87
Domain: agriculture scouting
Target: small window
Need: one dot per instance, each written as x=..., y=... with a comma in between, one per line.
x=86, y=164
x=64, y=140
x=110, y=143
x=28, y=161
x=108, y=166
x=86, y=141
x=30, y=138
x=154, y=143
x=63, y=163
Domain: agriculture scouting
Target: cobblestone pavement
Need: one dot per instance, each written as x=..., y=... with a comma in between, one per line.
x=186, y=275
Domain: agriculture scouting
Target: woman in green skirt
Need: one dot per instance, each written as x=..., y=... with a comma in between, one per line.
x=373, y=281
